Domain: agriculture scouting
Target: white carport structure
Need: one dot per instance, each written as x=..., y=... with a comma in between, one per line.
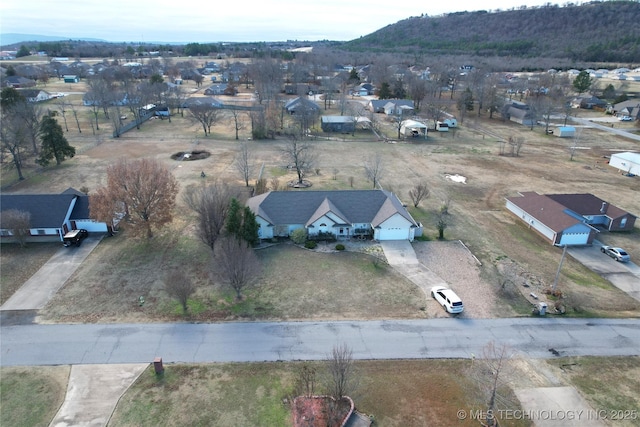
x=413, y=128
x=627, y=162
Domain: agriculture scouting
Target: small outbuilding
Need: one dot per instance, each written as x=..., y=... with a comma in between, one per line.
x=71, y=79
x=627, y=162
x=341, y=124
x=566, y=132
x=412, y=128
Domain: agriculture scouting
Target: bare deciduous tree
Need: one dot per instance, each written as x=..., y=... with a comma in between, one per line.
x=418, y=193
x=205, y=114
x=374, y=169
x=342, y=378
x=489, y=372
x=236, y=264
x=146, y=189
x=13, y=138
x=236, y=119
x=274, y=183
x=306, y=380
x=180, y=286
x=301, y=157
x=442, y=225
x=244, y=163
x=18, y=223
x=211, y=205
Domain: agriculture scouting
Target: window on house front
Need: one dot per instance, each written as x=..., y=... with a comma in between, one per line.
x=323, y=225
x=623, y=222
x=341, y=230
x=41, y=232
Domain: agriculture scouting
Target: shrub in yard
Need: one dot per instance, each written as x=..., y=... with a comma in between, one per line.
x=299, y=236
x=310, y=244
x=339, y=247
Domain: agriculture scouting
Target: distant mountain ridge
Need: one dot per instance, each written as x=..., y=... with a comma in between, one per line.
x=8, y=39
x=597, y=31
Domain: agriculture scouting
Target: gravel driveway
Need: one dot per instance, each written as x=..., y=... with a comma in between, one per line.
x=457, y=266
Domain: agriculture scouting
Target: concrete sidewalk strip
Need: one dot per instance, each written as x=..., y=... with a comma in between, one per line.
x=93, y=392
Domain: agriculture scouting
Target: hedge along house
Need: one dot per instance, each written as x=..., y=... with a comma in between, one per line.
x=377, y=214
x=52, y=215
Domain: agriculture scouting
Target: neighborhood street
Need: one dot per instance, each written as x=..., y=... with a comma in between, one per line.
x=253, y=341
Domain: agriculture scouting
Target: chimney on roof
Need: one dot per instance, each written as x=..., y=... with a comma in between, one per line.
x=603, y=209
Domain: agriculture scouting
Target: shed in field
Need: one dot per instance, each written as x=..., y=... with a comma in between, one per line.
x=566, y=132
x=413, y=129
x=627, y=162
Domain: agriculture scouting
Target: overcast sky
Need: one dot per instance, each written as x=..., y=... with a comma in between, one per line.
x=225, y=20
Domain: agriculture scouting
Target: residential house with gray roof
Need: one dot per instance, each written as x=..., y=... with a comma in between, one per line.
x=377, y=214
x=51, y=215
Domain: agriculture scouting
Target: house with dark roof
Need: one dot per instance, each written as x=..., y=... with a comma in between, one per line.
x=568, y=219
x=342, y=124
x=301, y=105
x=588, y=102
x=596, y=211
x=377, y=214
x=17, y=82
x=391, y=106
x=629, y=108
x=519, y=112
x=217, y=89
x=51, y=215
x=202, y=102
x=35, y=95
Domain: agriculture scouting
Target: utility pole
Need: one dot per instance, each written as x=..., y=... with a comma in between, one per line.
x=555, y=282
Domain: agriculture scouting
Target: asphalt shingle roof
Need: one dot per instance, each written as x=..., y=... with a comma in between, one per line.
x=355, y=206
x=47, y=210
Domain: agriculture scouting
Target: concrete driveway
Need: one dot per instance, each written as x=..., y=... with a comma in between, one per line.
x=401, y=256
x=93, y=391
x=36, y=292
x=554, y=406
x=623, y=275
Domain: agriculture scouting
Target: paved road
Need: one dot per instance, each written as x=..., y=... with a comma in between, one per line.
x=252, y=341
x=593, y=124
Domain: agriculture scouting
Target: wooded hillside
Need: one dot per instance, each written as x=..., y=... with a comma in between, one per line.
x=598, y=32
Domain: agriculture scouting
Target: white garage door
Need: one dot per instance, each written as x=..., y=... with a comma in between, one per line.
x=393, y=234
x=574, y=239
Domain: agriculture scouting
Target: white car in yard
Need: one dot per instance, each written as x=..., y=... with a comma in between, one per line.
x=618, y=254
x=625, y=118
x=447, y=299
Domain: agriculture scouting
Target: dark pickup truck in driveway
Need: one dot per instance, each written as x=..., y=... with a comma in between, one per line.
x=75, y=237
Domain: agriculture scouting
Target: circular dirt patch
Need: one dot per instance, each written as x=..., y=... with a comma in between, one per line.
x=190, y=155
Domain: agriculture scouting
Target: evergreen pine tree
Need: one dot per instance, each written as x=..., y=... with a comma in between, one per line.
x=234, y=218
x=249, y=230
x=54, y=144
